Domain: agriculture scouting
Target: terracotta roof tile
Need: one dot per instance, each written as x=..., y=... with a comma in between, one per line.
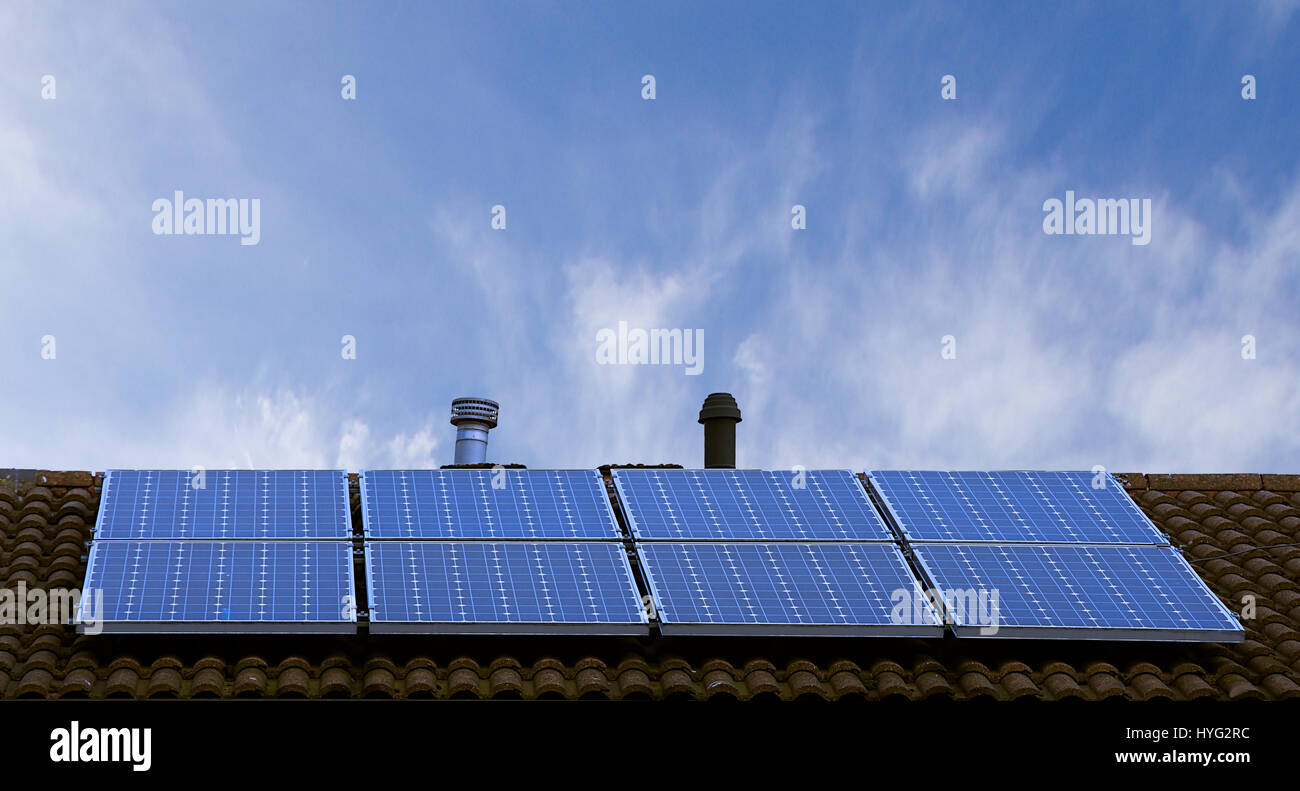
x=125, y=681
x=208, y=681
x=77, y=683
x=1062, y=685
x=1018, y=684
x=805, y=683
x=1106, y=685
x=761, y=680
x=1239, y=687
x=847, y=683
x=293, y=681
x=719, y=682
x=933, y=682
x=634, y=682
x=977, y=684
x=1280, y=686
x=1193, y=687
x=336, y=682
x=164, y=682
x=549, y=681
x=379, y=683
x=250, y=682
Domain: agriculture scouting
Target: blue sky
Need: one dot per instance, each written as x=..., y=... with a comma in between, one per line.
x=924, y=219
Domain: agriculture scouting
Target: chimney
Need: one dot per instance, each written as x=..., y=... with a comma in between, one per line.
x=720, y=414
x=473, y=418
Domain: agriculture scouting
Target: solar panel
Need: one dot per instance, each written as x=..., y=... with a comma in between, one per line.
x=786, y=589
x=487, y=504
x=1008, y=507
x=1076, y=592
x=224, y=504
x=747, y=505
x=226, y=586
x=535, y=587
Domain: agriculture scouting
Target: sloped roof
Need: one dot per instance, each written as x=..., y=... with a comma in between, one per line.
x=1234, y=528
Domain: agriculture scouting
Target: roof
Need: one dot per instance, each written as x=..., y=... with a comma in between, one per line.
x=1235, y=529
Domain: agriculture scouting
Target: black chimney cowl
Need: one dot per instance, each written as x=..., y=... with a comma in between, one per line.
x=719, y=415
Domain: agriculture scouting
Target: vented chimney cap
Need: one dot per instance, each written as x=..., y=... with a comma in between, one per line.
x=720, y=405
x=478, y=410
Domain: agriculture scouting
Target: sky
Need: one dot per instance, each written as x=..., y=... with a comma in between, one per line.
x=921, y=317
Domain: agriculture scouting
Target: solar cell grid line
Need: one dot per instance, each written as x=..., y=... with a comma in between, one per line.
x=1078, y=592
x=781, y=588
x=747, y=505
x=568, y=505
x=506, y=587
x=1012, y=507
x=223, y=504
x=196, y=586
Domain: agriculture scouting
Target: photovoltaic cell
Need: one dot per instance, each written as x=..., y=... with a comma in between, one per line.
x=835, y=588
x=487, y=504
x=1078, y=592
x=747, y=505
x=1010, y=507
x=229, y=586
x=531, y=587
x=224, y=504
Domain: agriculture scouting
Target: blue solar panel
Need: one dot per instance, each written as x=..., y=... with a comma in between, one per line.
x=487, y=504
x=224, y=504
x=229, y=586
x=1010, y=507
x=786, y=589
x=488, y=587
x=745, y=505
x=1076, y=592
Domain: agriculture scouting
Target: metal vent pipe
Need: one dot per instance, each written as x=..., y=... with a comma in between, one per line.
x=720, y=414
x=473, y=419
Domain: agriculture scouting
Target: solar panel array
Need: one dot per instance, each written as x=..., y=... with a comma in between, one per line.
x=1057, y=555
x=801, y=552
x=1064, y=555
x=496, y=551
x=221, y=550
